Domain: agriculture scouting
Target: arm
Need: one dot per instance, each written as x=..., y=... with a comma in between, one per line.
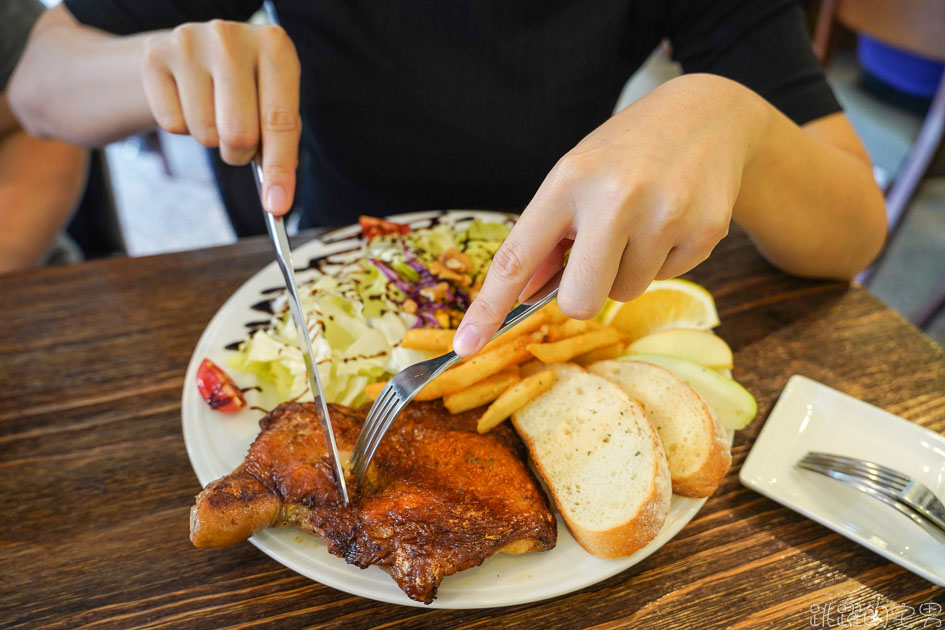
x=228, y=84
x=40, y=181
x=79, y=84
x=650, y=193
x=833, y=224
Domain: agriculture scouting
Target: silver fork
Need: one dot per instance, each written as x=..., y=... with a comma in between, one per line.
x=883, y=481
x=401, y=389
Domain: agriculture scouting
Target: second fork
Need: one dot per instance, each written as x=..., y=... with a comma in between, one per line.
x=893, y=483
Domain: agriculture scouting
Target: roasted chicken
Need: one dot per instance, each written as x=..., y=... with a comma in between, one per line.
x=437, y=499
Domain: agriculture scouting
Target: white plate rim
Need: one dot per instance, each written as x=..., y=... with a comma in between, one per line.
x=209, y=465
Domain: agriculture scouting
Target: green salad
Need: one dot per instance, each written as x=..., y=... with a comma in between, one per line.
x=360, y=304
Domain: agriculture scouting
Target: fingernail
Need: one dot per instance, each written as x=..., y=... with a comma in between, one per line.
x=466, y=341
x=276, y=199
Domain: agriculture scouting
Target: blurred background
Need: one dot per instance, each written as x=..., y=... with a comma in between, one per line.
x=158, y=193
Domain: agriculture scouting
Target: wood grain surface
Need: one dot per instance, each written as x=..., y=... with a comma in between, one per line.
x=95, y=484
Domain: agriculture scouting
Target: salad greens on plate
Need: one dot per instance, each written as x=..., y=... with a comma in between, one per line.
x=359, y=303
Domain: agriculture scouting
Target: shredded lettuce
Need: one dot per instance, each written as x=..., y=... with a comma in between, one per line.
x=481, y=241
x=355, y=313
x=481, y=231
x=428, y=244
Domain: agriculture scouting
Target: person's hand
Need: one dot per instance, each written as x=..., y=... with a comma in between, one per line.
x=234, y=86
x=645, y=196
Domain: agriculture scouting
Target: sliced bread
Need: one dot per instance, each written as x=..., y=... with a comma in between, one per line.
x=695, y=443
x=600, y=458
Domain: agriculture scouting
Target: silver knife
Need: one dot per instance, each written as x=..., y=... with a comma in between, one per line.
x=280, y=241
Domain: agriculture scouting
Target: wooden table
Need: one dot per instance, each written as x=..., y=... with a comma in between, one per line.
x=95, y=485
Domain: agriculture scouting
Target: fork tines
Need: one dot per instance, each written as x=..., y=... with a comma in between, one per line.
x=871, y=470
x=892, y=487
x=401, y=389
x=374, y=429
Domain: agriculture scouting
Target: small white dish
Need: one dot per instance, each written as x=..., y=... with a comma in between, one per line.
x=813, y=417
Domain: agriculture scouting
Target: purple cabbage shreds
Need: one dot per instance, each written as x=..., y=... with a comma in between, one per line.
x=430, y=319
x=419, y=267
x=447, y=297
x=391, y=275
x=461, y=301
x=409, y=256
x=427, y=279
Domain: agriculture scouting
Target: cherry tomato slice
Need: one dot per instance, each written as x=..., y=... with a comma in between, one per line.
x=217, y=389
x=372, y=227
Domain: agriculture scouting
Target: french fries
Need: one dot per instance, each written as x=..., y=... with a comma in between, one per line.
x=514, y=398
x=600, y=354
x=441, y=339
x=554, y=313
x=566, y=349
x=531, y=324
x=481, y=393
x=374, y=389
x=572, y=327
x=434, y=339
x=530, y=367
x=512, y=369
x=481, y=366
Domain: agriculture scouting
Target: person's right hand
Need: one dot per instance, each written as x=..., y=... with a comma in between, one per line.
x=234, y=86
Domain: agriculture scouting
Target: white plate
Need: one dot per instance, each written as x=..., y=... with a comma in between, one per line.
x=813, y=417
x=217, y=442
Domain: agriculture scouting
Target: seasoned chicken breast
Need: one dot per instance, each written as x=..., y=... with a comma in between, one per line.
x=438, y=498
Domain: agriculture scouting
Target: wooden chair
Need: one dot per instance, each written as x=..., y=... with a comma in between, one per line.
x=918, y=27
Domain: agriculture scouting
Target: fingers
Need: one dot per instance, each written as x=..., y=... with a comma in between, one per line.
x=279, y=118
x=234, y=86
x=680, y=260
x=161, y=92
x=540, y=228
x=640, y=262
x=547, y=269
x=690, y=253
x=195, y=88
x=592, y=267
x=237, y=114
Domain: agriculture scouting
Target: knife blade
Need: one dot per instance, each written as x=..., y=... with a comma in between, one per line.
x=280, y=241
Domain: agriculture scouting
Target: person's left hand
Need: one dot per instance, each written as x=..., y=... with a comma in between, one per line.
x=645, y=196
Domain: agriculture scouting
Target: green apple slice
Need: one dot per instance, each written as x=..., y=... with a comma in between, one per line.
x=732, y=404
x=694, y=345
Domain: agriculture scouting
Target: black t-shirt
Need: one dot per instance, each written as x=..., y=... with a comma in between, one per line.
x=423, y=104
x=16, y=20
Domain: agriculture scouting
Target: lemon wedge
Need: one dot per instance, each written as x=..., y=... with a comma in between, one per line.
x=665, y=304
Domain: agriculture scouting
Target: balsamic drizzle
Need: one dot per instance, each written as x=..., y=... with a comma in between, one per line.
x=264, y=306
x=337, y=235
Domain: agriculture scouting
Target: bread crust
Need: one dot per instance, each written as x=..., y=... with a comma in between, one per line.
x=703, y=481
x=636, y=532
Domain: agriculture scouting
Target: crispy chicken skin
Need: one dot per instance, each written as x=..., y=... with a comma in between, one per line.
x=438, y=498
